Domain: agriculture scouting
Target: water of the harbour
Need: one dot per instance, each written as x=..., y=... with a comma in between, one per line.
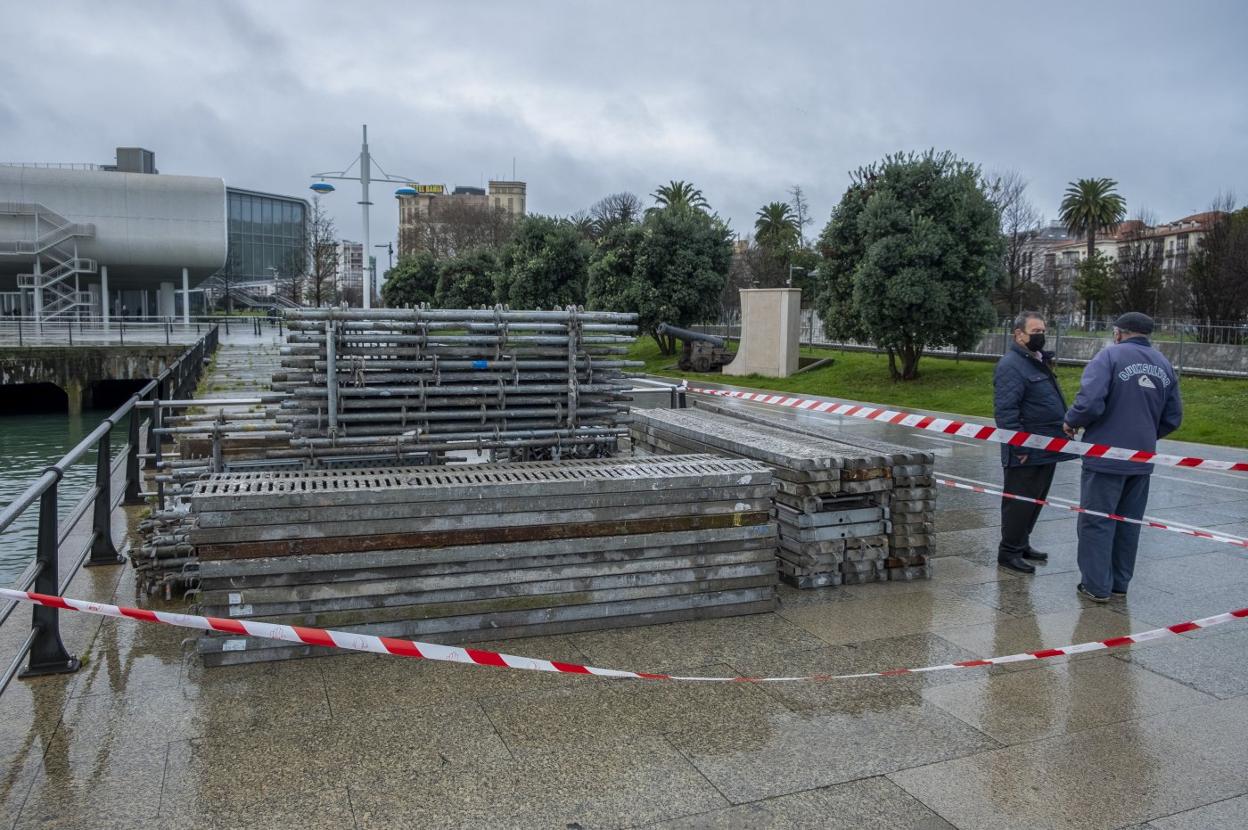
x=28, y=444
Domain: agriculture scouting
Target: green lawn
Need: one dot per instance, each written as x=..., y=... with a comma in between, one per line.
x=1213, y=408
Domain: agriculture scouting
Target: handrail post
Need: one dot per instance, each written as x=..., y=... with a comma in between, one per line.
x=47, y=651
x=132, y=458
x=103, y=552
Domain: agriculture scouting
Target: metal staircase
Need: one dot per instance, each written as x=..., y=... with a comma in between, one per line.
x=56, y=288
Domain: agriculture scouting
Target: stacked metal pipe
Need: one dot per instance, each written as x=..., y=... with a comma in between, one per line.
x=520, y=384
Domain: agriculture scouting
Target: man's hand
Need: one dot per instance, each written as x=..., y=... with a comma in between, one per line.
x=1070, y=431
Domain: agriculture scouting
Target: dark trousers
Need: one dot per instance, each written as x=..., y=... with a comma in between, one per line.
x=1018, y=518
x=1107, y=548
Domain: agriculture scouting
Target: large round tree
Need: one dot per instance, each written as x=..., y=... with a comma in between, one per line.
x=910, y=257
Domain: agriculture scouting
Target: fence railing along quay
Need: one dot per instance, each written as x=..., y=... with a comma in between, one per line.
x=1196, y=349
x=43, y=644
x=91, y=331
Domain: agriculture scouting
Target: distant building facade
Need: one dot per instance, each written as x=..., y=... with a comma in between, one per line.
x=433, y=213
x=1051, y=257
x=350, y=265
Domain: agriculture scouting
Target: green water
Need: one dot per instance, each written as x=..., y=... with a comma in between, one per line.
x=28, y=444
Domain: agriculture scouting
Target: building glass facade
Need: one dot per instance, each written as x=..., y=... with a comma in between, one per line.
x=265, y=231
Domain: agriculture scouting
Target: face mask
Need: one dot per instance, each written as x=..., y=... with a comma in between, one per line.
x=1035, y=342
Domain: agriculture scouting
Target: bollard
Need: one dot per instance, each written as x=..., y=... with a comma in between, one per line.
x=47, y=651
x=102, y=550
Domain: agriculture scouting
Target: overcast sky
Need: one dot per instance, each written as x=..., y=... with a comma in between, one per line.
x=743, y=99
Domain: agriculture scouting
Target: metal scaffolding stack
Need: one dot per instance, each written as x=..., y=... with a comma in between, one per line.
x=837, y=503
x=519, y=384
x=483, y=552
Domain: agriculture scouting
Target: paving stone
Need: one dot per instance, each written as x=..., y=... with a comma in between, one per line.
x=1012, y=707
x=867, y=804
x=1104, y=777
x=787, y=752
x=879, y=617
x=1216, y=665
x=637, y=782
x=1232, y=812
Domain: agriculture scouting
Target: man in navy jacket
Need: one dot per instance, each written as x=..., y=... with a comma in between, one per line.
x=1026, y=398
x=1129, y=398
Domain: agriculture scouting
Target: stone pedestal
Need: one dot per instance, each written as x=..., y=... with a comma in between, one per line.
x=771, y=328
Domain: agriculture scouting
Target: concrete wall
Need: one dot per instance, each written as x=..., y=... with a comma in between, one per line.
x=76, y=369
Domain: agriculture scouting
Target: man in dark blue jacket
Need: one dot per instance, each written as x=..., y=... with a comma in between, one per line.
x=1129, y=398
x=1026, y=398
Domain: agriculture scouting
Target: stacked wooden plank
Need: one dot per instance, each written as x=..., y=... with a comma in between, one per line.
x=483, y=552
x=850, y=509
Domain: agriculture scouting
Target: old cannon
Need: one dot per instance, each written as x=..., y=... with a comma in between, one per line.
x=701, y=352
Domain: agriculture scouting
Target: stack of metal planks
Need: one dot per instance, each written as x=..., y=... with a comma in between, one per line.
x=909, y=505
x=520, y=384
x=843, y=516
x=483, y=552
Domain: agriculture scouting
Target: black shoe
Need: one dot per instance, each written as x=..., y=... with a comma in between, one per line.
x=1088, y=595
x=1016, y=564
x=1036, y=555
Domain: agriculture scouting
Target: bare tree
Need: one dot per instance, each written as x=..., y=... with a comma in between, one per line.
x=617, y=209
x=322, y=257
x=1218, y=274
x=1138, y=266
x=1020, y=223
x=454, y=226
x=801, y=212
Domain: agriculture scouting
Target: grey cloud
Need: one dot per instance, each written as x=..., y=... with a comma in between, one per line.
x=744, y=99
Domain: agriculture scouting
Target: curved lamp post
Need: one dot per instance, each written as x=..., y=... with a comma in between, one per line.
x=364, y=175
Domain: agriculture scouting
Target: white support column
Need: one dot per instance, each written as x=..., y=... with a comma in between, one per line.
x=38, y=290
x=104, y=298
x=186, y=298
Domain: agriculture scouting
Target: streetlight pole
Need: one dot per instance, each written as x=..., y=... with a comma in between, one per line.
x=364, y=177
x=389, y=246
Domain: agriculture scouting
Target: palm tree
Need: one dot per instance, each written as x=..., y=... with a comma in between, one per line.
x=680, y=194
x=1091, y=206
x=775, y=227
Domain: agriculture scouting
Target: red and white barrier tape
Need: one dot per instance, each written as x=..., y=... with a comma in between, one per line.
x=979, y=432
x=452, y=654
x=1074, y=508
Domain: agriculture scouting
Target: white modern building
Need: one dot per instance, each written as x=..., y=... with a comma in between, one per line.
x=83, y=240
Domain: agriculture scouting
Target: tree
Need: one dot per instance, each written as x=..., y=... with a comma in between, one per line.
x=584, y=225
x=669, y=269
x=911, y=254
x=1091, y=206
x=321, y=261
x=680, y=194
x=1218, y=273
x=467, y=281
x=1094, y=282
x=454, y=225
x=544, y=265
x=775, y=227
x=1020, y=222
x=801, y=213
x=1138, y=271
x=413, y=280
x=616, y=209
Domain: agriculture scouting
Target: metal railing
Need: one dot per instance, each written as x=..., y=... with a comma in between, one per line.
x=43, y=644
x=90, y=331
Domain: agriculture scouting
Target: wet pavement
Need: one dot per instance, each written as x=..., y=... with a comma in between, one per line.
x=1150, y=737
